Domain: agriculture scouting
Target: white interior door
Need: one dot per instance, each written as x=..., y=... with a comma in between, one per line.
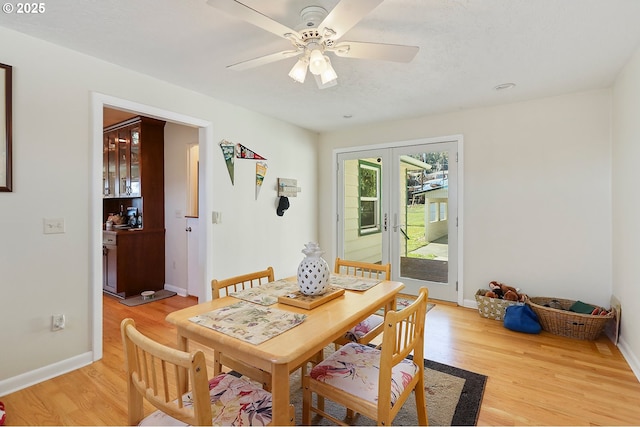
x=399, y=205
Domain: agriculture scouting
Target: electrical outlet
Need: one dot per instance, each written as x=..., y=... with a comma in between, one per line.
x=57, y=322
x=53, y=225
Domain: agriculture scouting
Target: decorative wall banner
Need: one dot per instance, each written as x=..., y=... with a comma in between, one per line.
x=228, y=151
x=243, y=152
x=261, y=171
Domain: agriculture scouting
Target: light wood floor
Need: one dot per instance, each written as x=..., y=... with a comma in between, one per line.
x=533, y=379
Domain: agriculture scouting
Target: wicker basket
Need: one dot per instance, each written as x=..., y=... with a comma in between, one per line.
x=492, y=308
x=567, y=323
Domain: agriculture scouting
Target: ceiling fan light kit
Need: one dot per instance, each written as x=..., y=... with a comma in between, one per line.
x=318, y=35
x=317, y=63
x=329, y=74
x=299, y=70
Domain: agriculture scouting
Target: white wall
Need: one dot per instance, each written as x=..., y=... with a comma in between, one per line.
x=537, y=207
x=41, y=275
x=176, y=141
x=626, y=205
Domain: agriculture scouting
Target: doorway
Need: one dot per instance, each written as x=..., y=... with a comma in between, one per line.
x=400, y=204
x=205, y=142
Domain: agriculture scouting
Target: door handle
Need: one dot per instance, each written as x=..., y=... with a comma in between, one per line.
x=188, y=229
x=397, y=226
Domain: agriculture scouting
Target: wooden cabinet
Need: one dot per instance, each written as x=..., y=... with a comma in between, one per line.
x=110, y=263
x=133, y=176
x=135, y=263
x=133, y=152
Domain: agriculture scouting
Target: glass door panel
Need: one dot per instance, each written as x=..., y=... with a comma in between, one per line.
x=109, y=165
x=124, y=163
x=424, y=219
x=362, y=225
x=134, y=171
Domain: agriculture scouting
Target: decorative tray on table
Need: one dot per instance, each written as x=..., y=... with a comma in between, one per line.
x=309, y=302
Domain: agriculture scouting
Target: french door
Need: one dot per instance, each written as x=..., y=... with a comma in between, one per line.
x=399, y=205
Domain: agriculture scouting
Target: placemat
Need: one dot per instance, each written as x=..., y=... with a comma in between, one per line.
x=268, y=293
x=249, y=322
x=353, y=283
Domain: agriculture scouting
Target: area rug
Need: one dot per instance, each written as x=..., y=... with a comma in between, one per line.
x=138, y=300
x=453, y=398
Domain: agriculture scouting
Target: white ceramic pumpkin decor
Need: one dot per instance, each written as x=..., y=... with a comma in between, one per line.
x=313, y=271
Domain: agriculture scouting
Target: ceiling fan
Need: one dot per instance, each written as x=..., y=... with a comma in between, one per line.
x=318, y=35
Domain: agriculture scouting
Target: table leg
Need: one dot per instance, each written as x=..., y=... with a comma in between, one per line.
x=280, y=395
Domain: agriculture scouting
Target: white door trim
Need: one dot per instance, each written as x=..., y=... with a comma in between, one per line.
x=205, y=138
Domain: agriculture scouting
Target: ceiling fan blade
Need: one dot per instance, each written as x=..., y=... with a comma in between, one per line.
x=263, y=60
x=346, y=14
x=252, y=16
x=384, y=52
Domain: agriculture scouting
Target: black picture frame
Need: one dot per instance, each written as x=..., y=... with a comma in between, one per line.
x=6, y=172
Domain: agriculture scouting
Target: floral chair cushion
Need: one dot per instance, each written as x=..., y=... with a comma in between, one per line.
x=234, y=401
x=361, y=329
x=355, y=367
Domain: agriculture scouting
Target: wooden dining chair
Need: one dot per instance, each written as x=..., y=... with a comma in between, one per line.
x=234, y=284
x=153, y=373
x=371, y=381
x=371, y=327
x=238, y=283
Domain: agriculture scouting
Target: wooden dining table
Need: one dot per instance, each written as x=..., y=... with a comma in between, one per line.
x=288, y=350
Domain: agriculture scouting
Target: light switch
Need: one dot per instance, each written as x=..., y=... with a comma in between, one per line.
x=216, y=217
x=53, y=225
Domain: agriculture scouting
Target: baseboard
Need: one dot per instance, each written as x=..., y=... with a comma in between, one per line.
x=631, y=358
x=39, y=375
x=178, y=290
x=470, y=303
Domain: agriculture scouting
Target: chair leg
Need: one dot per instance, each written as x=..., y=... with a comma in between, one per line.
x=306, y=403
x=421, y=404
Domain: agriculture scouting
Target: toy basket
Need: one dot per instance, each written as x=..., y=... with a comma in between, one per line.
x=567, y=323
x=492, y=308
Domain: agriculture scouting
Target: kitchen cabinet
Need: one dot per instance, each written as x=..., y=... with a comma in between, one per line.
x=131, y=152
x=110, y=263
x=128, y=140
x=133, y=177
x=132, y=261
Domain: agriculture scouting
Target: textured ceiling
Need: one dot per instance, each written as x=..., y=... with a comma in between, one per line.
x=467, y=47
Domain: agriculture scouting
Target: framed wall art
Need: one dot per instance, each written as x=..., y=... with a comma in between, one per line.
x=5, y=127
